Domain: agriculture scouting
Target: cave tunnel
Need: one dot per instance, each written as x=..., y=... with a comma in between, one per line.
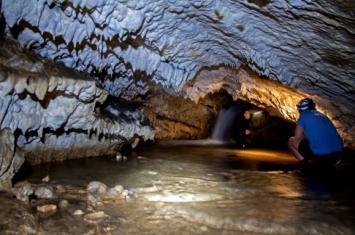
x=175, y=117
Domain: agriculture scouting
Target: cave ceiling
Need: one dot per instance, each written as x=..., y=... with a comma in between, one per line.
x=307, y=44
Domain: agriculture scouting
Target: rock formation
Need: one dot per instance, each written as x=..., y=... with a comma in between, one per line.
x=10, y=160
x=269, y=53
x=243, y=84
x=57, y=113
x=178, y=118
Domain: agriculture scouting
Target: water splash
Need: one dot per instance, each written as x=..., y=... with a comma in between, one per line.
x=222, y=129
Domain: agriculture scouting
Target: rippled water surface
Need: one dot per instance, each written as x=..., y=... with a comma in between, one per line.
x=207, y=190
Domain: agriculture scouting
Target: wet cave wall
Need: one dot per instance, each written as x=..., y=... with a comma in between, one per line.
x=56, y=111
x=106, y=72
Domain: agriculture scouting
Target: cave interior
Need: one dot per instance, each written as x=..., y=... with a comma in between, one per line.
x=216, y=80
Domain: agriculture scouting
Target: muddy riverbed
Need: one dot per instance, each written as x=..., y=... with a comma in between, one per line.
x=183, y=190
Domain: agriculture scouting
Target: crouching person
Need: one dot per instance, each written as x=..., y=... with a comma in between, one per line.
x=324, y=141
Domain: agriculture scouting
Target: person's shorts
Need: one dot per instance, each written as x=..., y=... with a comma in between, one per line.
x=326, y=160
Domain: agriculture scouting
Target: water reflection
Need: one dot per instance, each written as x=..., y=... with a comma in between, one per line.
x=209, y=190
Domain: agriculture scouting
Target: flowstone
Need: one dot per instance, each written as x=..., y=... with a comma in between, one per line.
x=10, y=160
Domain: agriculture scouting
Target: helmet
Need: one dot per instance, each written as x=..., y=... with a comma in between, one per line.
x=306, y=104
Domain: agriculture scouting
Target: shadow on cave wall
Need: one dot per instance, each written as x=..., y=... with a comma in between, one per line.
x=2, y=24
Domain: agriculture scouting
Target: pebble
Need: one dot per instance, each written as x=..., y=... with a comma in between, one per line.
x=95, y=217
x=115, y=191
x=119, y=157
x=63, y=204
x=22, y=190
x=204, y=228
x=44, y=192
x=118, y=188
x=96, y=187
x=49, y=208
x=93, y=200
x=78, y=212
x=46, y=179
x=126, y=194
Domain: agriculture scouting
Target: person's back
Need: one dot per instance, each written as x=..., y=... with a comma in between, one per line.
x=320, y=132
x=323, y=138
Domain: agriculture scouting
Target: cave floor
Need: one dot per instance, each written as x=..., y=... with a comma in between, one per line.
x=200, y=190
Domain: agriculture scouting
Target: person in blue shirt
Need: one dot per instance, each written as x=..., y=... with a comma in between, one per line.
x=324, y=140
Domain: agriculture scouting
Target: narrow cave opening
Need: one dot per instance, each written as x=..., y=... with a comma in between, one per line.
x=246, y=125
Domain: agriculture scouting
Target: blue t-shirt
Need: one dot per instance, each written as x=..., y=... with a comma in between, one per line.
x=320, y=132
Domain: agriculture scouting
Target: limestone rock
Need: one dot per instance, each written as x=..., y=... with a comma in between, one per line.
x=97, y=191
x=96, y=187
x=115, y=192
x=23, y=190
x=63, y=204
x=49, y=208
x=95, y=217
x=46, y=179
x=78, y=212
x=10, y=161
x=80, y=128
x=177, y=118
x=44, y=192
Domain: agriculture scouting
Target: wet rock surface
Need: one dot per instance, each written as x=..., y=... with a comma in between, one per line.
x=10, y=159
x=54, y=110
x=22, y=191
x=44, y=192
x=89, y=122
x=16, y=217
x=176, y=117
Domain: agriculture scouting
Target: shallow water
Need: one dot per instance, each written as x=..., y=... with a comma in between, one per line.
x=205, y=190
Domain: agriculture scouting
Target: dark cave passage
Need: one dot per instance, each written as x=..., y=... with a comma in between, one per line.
x=246, y=125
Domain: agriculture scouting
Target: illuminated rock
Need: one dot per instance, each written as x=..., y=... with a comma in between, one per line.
x=243, y=84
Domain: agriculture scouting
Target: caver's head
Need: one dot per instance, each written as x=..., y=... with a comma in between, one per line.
x=247, y=114
x=306, y=104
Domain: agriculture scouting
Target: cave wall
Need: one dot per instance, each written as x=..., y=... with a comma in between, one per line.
x=54, y=111
x=306, y=48
x=178, y=118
